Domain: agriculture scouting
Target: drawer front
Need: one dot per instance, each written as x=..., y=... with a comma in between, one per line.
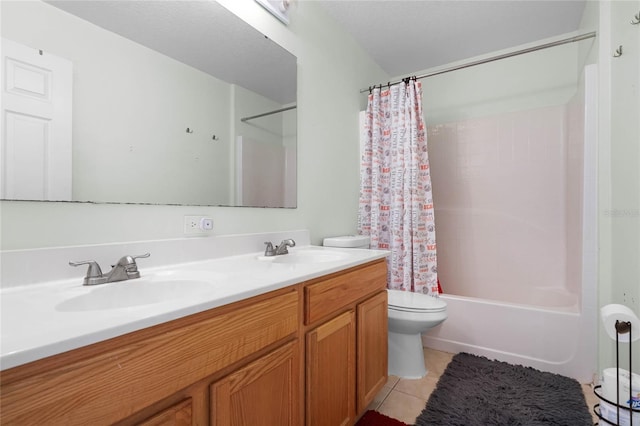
x=125, y=379
x=324, y=297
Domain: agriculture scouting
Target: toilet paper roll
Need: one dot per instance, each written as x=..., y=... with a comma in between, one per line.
x=615, y=312
x=619, y=377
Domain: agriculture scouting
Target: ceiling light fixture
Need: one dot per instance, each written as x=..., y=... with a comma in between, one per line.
x=278, y=8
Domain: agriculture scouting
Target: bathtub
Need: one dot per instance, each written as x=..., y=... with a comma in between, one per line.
x=517, y=247
x=557, y=339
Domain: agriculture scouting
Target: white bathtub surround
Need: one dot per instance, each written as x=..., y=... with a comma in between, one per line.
x=517, y=235
x=502, y=202
x=43, y=313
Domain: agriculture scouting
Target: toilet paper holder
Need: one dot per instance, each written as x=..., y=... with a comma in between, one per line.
x=621, y=328
x=624, y=327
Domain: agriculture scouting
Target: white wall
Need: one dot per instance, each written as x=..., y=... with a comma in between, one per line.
x=331, y=70
x=625, y=155
x=538, y=79
x=618, y=165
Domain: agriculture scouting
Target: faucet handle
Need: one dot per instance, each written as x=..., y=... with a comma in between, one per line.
x=141, y=256
x=94, y=273
x=269, y=250
x=129, y=262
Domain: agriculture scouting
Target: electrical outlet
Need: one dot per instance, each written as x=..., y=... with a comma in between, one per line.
x=197, y=225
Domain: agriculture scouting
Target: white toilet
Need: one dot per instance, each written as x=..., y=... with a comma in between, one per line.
x=348, y=241
x=410, y=314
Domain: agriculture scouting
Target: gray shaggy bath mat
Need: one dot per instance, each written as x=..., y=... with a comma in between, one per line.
x=474, y=390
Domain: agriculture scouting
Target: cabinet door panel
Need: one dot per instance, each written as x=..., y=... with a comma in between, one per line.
x=265, y=392
x=331, y=372
x=372, y=348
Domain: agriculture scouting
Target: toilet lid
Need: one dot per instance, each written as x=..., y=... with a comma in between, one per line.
x=414, y=302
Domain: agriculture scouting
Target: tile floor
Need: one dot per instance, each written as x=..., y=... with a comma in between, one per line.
x=405, y=399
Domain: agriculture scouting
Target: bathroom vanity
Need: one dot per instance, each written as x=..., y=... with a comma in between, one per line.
x=308, y=347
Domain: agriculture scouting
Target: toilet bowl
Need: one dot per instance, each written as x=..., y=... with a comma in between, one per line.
x=348, y=241
x=411, y=314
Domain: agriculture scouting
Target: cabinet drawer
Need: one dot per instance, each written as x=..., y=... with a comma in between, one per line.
x=326, y=296
x=126, y=378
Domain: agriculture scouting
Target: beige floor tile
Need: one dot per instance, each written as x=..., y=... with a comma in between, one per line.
x=421, y=388
x=402, y=406
x=436, y=361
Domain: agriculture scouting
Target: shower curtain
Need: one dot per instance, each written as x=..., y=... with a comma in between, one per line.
x=396, y=205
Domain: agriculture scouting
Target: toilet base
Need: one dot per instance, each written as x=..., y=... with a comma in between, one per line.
x=406, y=356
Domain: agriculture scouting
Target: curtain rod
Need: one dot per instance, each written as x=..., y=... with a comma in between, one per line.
x=496, y=58
x=243, y=119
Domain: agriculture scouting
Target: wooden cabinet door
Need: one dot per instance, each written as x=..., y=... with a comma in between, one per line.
x=265, y=392
x=330, y=389
x=372, y=348
x=176, y=415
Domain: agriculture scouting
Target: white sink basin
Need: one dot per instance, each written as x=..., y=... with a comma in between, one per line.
x=306, y=256
x=136, y=292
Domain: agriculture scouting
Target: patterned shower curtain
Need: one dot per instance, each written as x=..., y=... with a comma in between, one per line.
x=396, y=204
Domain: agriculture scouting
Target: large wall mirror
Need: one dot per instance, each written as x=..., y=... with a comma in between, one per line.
x=155, y=102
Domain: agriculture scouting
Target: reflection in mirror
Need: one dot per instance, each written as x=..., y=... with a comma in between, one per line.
x=160, y=102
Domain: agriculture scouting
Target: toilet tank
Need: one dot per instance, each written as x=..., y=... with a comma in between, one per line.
x=348, y=241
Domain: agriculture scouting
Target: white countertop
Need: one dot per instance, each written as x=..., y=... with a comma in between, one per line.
x=36, y=321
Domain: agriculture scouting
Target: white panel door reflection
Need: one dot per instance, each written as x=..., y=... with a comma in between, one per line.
x=36, y=151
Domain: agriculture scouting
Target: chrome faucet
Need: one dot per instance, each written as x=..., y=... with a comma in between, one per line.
x=282, y=248
x=279, y=249
x=125, y=269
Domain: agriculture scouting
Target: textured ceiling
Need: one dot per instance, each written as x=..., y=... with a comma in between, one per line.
x=404, y=37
